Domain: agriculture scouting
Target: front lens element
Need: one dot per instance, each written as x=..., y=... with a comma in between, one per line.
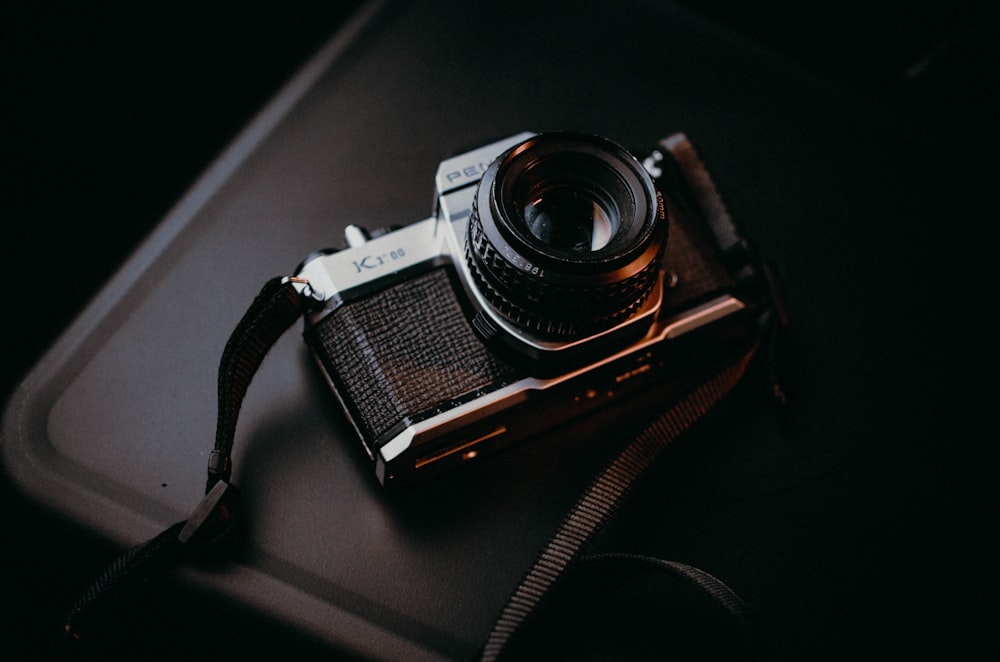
x=571, y=219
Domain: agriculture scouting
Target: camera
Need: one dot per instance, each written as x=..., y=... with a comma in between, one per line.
x=557, y=273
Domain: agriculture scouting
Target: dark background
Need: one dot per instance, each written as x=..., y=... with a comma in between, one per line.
x=117, y=109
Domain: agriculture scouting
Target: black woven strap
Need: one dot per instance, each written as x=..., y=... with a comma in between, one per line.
x=620, y=566
x=272, y=312
x=280, y=303
x=603, y=498
x=122, y=579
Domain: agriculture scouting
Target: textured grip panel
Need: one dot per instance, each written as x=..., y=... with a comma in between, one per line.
x=406, y=352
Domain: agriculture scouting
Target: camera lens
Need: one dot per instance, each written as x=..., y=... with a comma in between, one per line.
x=566, y=235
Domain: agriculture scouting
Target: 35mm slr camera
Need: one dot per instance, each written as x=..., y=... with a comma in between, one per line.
x=557, y=273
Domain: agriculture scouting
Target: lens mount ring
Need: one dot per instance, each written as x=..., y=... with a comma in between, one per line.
x=566, y=236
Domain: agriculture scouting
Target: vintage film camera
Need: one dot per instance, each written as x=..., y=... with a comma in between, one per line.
x=558, y=273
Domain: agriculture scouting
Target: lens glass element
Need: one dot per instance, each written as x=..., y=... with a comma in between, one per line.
x=571, y=219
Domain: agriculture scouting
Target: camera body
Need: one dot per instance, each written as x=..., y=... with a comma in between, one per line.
x=545, y=284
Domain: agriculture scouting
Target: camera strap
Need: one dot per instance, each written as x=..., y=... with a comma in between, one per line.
x=279, y=304
x=603, y=498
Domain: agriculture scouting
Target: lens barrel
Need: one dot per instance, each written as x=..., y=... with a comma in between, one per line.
x=566, y=236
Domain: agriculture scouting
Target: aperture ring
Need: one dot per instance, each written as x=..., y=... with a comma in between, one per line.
x=547, y=325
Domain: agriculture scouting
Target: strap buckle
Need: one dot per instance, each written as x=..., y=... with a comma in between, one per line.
x=212, y=516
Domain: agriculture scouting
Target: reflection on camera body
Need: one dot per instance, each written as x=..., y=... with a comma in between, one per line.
x=555, y=276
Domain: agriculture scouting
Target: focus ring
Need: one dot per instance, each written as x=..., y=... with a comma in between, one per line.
x=545, y=325
x=565, y=312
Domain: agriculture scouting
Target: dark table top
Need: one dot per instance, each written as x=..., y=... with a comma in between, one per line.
x=851, y=522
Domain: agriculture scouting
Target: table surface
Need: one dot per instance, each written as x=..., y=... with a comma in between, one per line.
x=822, y=515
